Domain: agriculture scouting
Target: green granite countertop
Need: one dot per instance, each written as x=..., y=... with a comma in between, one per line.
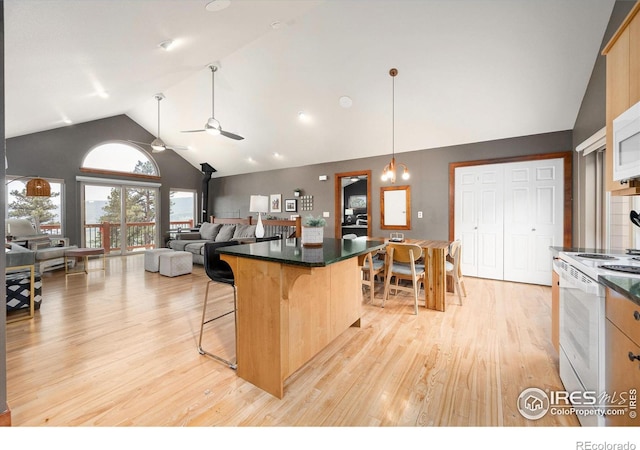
x=290, y=251
x=627, y=286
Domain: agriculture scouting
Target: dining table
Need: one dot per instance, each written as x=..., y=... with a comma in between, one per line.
x=435, y=254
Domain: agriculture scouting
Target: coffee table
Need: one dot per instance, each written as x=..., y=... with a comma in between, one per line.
x=84, y=253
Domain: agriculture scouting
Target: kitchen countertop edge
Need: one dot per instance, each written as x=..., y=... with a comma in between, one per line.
x=628, y=287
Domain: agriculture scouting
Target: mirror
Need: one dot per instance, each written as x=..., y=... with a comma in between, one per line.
x=395, y=208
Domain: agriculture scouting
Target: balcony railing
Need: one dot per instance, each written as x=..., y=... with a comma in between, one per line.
x=140, y=235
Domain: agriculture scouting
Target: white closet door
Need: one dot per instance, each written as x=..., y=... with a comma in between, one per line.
x=466, y=217
x=490, y=221
x=479, y=219
x=533, y=219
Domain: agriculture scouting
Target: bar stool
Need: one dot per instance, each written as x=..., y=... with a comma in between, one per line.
x=220, y=272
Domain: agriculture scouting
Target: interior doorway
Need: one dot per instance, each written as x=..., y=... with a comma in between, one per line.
x=353, y=203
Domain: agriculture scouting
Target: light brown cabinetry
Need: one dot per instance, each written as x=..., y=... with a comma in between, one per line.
x=622, y=356
x=623, y=87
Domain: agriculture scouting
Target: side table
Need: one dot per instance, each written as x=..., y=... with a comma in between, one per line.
x=84, y=253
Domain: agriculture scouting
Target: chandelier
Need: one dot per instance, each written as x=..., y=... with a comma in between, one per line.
x=389, y=172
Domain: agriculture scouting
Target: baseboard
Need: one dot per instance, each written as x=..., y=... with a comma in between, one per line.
x=5, y=418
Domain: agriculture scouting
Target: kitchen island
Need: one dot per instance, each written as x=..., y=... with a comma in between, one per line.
x=292, y=301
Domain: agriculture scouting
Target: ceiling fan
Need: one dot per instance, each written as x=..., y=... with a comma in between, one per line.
x=213, y=126
x=158, y=145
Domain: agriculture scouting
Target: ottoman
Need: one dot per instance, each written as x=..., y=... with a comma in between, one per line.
x=152, y=258
x=18, y=290
x=173, y=264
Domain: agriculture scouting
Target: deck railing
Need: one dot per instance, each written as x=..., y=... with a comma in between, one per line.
x=140, y=235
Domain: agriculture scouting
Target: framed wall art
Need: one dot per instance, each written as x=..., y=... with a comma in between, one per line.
x=290, y=205
x=275, y=203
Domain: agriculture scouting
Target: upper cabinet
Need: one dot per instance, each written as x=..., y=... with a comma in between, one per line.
x=623, y=88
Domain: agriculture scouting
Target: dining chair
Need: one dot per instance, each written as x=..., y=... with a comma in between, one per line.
x=453, y=268
x=218, y=271
x=401, y=264
x=372, y=267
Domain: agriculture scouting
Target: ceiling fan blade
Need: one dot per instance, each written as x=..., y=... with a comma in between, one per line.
x=231, y=135
x=192, y=131
x=139, y=143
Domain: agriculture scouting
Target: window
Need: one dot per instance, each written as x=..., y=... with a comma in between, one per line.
x=182, y=210
x=44, y=212
x=120, y=216
x=120, y=157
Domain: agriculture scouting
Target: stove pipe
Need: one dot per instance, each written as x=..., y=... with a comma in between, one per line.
x=207, y=170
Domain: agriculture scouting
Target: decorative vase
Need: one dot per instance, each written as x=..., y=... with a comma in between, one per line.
x=312, y=236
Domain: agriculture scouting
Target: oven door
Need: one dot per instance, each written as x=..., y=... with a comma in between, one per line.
x=581, y=334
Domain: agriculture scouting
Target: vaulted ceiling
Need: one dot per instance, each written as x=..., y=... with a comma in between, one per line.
x=469, y=71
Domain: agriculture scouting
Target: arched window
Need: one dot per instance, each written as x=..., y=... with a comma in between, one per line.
x=119, y=157
x=120, y=215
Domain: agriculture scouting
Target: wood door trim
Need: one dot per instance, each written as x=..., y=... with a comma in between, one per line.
x=337, y=200
x=567, y=158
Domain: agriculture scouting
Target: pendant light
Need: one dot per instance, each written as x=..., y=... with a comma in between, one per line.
x=35, y=187
x=389, y=172
x=38, y=187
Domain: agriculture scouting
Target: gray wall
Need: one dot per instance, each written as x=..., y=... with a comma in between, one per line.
x=429, y=182
x=59, y=154
x=592, y=116
x=3, y=310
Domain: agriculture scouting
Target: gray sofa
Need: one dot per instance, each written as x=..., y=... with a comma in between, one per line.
x=48, y=252
x=193, y=241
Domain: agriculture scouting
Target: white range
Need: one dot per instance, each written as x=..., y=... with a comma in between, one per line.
x=582, y=318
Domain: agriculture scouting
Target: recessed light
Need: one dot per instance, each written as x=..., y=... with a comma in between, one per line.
x=217, y=5
x=277, y=155
x=166, y=45
x=303, y=117
x=345, y=101
x=276, y=25
x=102, y=94
x=67, y=121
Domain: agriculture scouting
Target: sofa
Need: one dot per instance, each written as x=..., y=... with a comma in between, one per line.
x=48, y=250
x=193, y=241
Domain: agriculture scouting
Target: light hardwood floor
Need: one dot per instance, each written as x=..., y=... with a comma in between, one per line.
x=120, y=350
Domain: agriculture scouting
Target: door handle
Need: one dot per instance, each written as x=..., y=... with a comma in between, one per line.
x=636, y=315
x=633, y=357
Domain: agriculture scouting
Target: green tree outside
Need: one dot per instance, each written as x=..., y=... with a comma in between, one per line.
x=39, y=209
x=140, y=206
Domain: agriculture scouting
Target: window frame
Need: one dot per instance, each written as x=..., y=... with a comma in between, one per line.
x=11, y=178
x=108, y=172
x=195, y=203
